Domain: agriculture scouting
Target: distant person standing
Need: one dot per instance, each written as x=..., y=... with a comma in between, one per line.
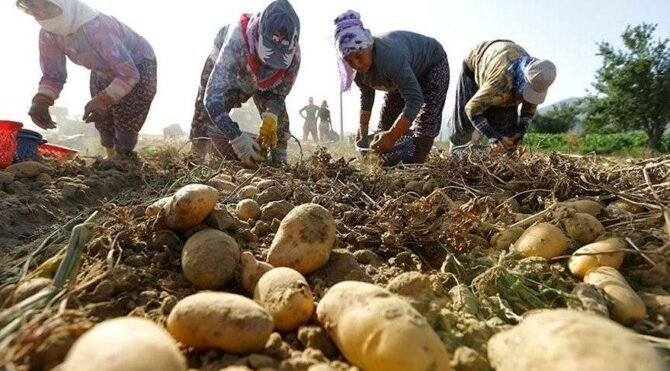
x=499, y=76
x=309, y=113
x=325, y=124
x=122, y=64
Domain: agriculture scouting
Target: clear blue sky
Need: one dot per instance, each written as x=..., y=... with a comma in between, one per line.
x=181, y=32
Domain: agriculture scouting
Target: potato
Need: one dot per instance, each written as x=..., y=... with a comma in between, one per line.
x=129, y=344
x=156, y=208
x=304, y=240
x=629, y=206
x=543, y=240
x=248, y=209
x=590, y=207
x=209, y=259
x=378, y=331
x=286, y=294
x=503, y=239
x=415, y=186
x=583, y=228
x=222, y=185
x=251, y=271
x=265, y=184
x=276, y=210
x=580, y=264
x=248, y=192
x=229, y=322
x=567, y=340
x=628, y=306
x=27, y=169
x=190, y=206
x=269, y=195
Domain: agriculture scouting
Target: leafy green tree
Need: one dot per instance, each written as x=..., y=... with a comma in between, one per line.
x=558, y=120
x=633, y=86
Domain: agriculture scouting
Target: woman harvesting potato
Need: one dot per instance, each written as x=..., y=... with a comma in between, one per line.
x=411, y=68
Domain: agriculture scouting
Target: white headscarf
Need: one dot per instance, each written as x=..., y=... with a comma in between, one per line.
x=75, y=14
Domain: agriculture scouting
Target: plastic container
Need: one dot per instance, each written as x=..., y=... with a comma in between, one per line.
x=8, y=131
x=401, y=152
x=27, y=142
x=54, y=151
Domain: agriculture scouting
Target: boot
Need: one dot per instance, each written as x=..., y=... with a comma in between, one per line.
x=110, y=153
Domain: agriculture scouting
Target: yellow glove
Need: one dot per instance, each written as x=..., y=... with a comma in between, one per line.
x=267, y=135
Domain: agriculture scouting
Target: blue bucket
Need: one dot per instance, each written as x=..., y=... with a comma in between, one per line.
x=27, y=144
x=401, y=152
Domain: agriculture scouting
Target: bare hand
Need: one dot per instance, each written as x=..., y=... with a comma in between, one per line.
x=383, y=142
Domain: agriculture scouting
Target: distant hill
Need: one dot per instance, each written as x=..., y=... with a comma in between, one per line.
x=545, y=109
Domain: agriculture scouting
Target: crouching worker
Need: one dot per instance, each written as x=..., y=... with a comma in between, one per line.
x=122, y=64
x=413, y=71
x=497, y=77
x=257, y=57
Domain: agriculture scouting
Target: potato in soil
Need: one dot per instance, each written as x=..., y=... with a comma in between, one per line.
x=129, y=344
x=304, y=240
x=378, y=331
x=251, y=270
x=225, y=321
x=567, y=340
x=610, y=253
x=286, y=294
x=189, y=206
x=628, y=306
x=544, y=240
x=583, y=228
x=248, y=209
x=209, y=259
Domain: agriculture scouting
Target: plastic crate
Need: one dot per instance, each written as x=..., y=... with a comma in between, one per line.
x=27, y=142
x=8, y=132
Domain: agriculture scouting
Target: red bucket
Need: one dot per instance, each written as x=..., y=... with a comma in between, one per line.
x=55, y=151
x=8, y=131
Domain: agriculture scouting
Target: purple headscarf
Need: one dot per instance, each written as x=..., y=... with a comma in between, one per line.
x=350, y=36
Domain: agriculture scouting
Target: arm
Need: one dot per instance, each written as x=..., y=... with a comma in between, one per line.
x=301, y=112
x=411, y=92
x=52, y=63
x=486, y=96
x=215, y=100
x=527, y=113
x=367, y=102
x=126, y=75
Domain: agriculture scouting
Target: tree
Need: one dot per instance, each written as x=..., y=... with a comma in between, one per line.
x=633, y=86
x=559, y=119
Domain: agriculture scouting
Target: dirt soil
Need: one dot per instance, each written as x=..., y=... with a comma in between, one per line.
x=433, y=224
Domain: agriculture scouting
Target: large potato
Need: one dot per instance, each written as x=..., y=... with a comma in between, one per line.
x=590, y=207
x=28, y=169
x=628, y=306
x=251, y=270
x=583, y=228
x=609, y=252
x=304, y=240
x=503, y=239
x=568, y=340
x=286, y=294
x=543, y=240
x=190, y=206
x=378, y=331
x=209, y=259
x=229, y=322
x=248, y=209
x=129, y=344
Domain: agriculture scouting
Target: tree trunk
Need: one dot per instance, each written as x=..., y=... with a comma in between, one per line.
x=654, y=137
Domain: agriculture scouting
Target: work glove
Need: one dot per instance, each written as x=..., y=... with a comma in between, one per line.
x=96, y=109
x=384, y=141
x=39, y=112
x=267, y=135
x=247, y=150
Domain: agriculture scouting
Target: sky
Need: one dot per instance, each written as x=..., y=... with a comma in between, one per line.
x=182, y=32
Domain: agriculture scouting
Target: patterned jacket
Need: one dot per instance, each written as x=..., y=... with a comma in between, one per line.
x=104, y=45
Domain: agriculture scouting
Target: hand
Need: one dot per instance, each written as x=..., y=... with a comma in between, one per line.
x=512, y=143
x=96, y=109
x=362, y=132
x=247, y=150
x=383, y=141
x=497, y=146
x=39, y=112
x=267, y=135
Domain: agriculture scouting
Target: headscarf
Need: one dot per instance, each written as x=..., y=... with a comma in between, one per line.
x=350, y=36
x=272, y=38
x=517, y=69
x=75, y=14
